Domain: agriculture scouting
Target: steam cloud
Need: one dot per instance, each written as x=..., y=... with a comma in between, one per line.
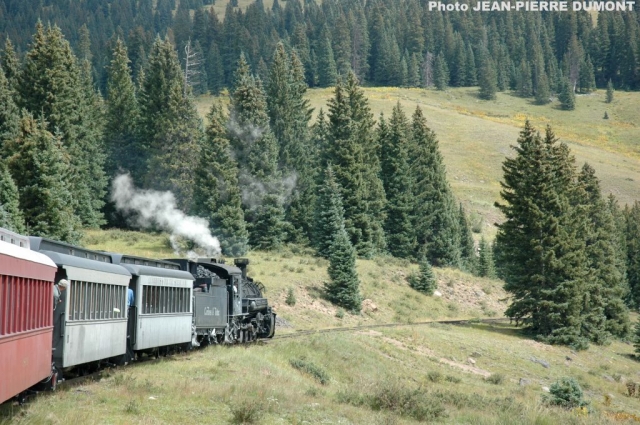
x=155, y=208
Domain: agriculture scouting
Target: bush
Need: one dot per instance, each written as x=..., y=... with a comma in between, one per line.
x=434, y=376
x=453, y=379
x=566, y=393
x=413, y=403
x=495, y=379
x=246, y=410
x=317, y=372
x=291, y=297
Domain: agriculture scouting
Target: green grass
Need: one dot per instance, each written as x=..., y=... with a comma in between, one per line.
x=475, y=136
x=443, y=373
x=381, y=377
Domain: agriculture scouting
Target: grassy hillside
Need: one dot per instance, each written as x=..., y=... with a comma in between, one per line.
x=472, y=374
x=475, y=136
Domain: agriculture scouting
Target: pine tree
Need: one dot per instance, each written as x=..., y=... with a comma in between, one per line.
x=347, y=155
x=566, y=96
x=540, y=250
x=10, y=215
x=373, y=240
x=543, y=91
x=525, y=87
x=171, y=129
x=487, y=80
x=9, y=117
x=125, y=154
x=41, y=171
x=632, y=231
x=425, y=281
x=215, y=69
x=329, y=214
x=606, y=287
x=268, y=229
x=467, y=246
x=485, y=261
x=394, y=143
x=217, y=194
x=434, y=212
x=440, y=73
x=343, y=286
x=587, y=80
x=256, y=149
x=52, y=84
x=609, y=92
x=10, y=65
x=327, y=71
x=414, y=71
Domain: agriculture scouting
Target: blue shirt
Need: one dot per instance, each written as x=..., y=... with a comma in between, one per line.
x=130, y=297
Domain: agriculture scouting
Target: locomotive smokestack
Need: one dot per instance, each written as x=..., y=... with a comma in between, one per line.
x=242, y=264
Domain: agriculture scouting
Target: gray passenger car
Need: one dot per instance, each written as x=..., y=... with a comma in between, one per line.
x=162, y=314
x=90, y=322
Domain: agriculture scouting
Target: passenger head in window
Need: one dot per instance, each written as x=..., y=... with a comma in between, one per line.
x=58, y=289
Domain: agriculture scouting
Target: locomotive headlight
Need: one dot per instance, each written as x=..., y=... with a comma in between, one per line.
x=253, y=304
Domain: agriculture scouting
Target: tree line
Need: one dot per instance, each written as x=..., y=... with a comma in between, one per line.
x=384, y=42
x=261, y=171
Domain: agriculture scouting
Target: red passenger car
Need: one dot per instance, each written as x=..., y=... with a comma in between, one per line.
x=26, y=304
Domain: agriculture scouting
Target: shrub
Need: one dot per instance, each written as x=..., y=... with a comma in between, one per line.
x=453, y=379
x=317, y=372
x=566, y=393
x=434, y=376
x=495, y=378
x=340, y=313
x=132, y=407
x=246, y=410
x=291, y=297
x=413, y=403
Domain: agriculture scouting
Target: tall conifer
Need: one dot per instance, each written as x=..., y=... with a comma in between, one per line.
x=41, y=171
x=52, y=84
x=10, y=215
x=216, y=193
x=329, y=213
x=125, y=153
x=607, y=288
x=343, y=286
x=394, y=141
x=541, y=251
x=434, y=212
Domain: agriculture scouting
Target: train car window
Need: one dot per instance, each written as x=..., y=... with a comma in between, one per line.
x=96, y=301
x=165, y=300
x=25, y=304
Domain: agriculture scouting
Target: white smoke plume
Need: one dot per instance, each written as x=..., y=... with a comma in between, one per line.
x=248, y=133
x=254, y=190
x=155, y=208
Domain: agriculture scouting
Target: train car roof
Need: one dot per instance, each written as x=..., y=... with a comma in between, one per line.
x=16, y=251
x=44, y=244
x=85, y=263
x=140, y=266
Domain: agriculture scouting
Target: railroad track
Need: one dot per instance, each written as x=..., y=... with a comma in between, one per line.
x=386, y=325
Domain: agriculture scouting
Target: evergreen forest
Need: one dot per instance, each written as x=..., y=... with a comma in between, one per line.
x=90, y=90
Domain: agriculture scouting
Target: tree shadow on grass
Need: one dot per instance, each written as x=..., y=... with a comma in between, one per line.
x=506, y=329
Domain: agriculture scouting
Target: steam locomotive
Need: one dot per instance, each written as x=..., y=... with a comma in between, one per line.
x=115, y=309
